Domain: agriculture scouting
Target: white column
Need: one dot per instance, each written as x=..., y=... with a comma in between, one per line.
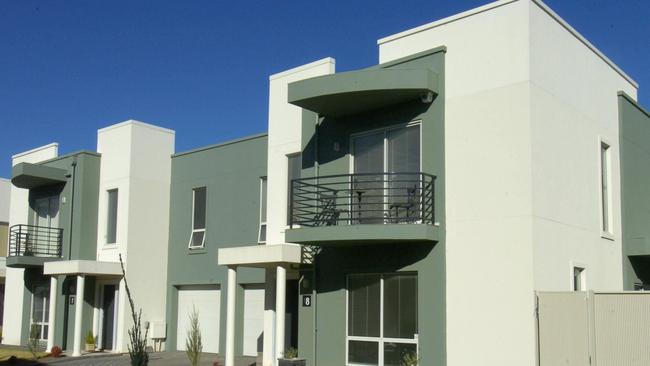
x=52, y=311
x=230, y=316
x=268, y=348
x=280, y=305
x=78, y=315
x=123, y=313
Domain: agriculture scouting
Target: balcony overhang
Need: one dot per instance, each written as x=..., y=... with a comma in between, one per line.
x=363, y=234
x=26, y=261
x=348, y=93
x=28, y=176
x=637, y=247
x=82, y=267
x=260, y=256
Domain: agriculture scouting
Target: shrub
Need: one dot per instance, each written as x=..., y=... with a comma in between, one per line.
x=291, y=353
x=137, y=339
x=56, y=351
x=90, y=339
x=193, y=343
x=410, y=358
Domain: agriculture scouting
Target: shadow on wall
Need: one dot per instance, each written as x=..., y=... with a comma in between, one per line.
x=338, y=130
x=334, y=263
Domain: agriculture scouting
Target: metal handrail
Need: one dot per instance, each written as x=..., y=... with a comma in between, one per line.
x=363, y=198
x=37, y=241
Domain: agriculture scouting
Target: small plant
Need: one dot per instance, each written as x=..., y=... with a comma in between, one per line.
x=291, y=353
x=137, y=338
x=56, y=351
x=90, y=339
x=32, y=345
x=193, y=343
x=410, y=358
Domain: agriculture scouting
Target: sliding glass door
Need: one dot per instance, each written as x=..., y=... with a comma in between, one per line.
x=386, y=164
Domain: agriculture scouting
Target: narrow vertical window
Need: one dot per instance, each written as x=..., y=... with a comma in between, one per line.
x=294, y=167
x=262, y=232
x=197, y=238
x=605, y=189
x=578, y=279
x=111, y=222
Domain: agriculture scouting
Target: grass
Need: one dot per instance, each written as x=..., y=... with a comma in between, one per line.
x=19, y=353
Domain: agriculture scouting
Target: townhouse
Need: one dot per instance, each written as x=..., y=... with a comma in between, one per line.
x=411, y=208
x=71, y=217
x=5, y=192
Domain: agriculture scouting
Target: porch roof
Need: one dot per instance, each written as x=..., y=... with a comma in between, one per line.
x=83, y=267
x=259, y=255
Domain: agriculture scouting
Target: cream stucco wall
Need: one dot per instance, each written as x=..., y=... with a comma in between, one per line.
x=18, y=214
x=136, y=160
x=526, y=100
x=285, y=129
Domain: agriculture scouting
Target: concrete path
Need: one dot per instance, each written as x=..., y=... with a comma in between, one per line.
x=155, y=359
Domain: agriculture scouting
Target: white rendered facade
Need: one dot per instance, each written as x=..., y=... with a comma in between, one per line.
x=528, y=101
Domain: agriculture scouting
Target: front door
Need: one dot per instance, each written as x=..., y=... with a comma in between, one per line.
x=108, y=321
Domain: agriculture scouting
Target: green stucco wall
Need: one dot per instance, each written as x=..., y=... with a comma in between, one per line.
x=231, y=172
x=78, y=219
x=634, y=141
x=322, y=328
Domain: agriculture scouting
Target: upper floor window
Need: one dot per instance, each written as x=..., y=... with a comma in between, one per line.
x=199, y=206
x=111, y=221
x=605, y=189
x=262, y=232
x=294, y=166
x=579, y=280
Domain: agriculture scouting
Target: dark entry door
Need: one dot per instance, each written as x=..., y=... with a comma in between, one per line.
x=108, y=307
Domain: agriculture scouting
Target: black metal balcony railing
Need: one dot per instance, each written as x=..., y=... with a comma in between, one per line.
x=363, y=198
x=38, y=241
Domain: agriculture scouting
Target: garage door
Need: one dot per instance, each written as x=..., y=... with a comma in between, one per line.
x=206, y=300
x=253, y=319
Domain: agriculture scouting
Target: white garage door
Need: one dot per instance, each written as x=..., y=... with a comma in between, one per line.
x=206, y=300
x=253, y=319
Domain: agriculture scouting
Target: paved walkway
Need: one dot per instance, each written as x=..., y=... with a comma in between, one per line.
x=155, y=359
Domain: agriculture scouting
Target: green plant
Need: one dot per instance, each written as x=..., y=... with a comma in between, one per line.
x=291, y=353
x=193, y=343
x=90, y=339
x=410, y=358
x=32, y=344
x=137, y=339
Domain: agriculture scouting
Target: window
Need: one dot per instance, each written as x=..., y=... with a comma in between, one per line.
x=262, y=232
x=605, y=189
x=294, y=167
x=197, y=238
x=41, y=310
x=111, y=222
x=579, y=279
x=382, y=318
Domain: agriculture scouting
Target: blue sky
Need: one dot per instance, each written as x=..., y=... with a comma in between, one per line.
x=201, y=68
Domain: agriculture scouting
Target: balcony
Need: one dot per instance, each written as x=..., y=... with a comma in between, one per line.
x=363, y=208
x=31, y=245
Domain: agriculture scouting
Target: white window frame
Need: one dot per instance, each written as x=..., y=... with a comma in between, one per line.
x=46, y=322
x=193, y=230
x=381, y=339
x=263, y=223
x=605, y=197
